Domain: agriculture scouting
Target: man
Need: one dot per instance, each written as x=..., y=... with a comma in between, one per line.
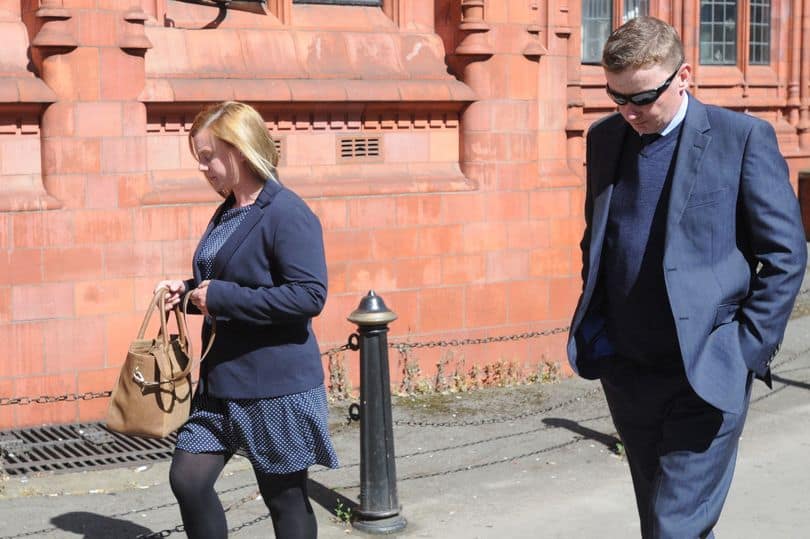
x=693, y=254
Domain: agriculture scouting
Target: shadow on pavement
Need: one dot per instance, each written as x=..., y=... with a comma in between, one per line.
x=95, y=526
x=610, y=442
x=789, y=382
x=329, y=499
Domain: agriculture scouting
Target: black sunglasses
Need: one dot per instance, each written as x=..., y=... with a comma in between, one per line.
x=642, y=98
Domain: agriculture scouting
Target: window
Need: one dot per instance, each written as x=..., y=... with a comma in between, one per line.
x=759, y=47
x=597, y=23
x=721, y=30
x=375, y=3
x=635, y=8
x=718, y=32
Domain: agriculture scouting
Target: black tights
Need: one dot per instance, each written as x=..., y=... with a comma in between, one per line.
x=192, y=477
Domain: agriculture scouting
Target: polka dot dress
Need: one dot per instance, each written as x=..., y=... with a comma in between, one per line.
x=279, y=435
x=228, y=222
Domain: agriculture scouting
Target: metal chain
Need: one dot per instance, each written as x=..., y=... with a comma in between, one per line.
x=352, y=344
x=463, y=445
x=507, y=419
x=403, y=347
x=162, y=533
x=180, y=528
x=788, y=359
x=469, y=467
x=243, y=500
x=249, y=523
x=45, y=399
x=776, y=365
x=35, y=533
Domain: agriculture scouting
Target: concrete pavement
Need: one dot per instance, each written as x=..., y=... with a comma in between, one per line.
x=534, y=461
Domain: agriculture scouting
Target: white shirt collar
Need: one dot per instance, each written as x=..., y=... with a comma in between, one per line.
x=679, y=116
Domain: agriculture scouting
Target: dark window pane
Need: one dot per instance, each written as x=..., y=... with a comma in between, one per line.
x=759, y=49
x=635, y=8
x=718, y=32
x=596, y=24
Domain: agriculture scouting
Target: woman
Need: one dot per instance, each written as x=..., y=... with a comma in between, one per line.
x=260, y=272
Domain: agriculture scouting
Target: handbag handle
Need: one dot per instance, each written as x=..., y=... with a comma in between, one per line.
x=213, y=326
x=159, y=302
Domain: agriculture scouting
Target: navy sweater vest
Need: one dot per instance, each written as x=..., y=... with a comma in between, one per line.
x=639, y=317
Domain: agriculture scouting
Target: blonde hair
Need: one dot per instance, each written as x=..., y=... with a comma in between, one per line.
x=242, y=127
x=642, y=42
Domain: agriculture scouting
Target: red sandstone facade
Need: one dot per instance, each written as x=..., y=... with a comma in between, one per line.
x=439, y=141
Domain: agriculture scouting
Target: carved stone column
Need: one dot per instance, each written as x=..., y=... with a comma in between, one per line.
x=473, y=24
x=282, y=9
x=95, y=132
x=799, y=85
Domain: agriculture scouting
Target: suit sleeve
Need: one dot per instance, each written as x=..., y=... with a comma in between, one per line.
x=299, y=266
x=584, y=244
x=772, y=223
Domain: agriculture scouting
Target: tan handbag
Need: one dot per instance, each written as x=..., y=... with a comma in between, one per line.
x=152, y=397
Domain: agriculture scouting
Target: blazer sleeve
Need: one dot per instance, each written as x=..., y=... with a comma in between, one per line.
x=771, y=222
x=585, y=243
x=299, y=269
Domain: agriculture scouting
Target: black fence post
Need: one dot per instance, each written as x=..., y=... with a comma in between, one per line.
x=379, y=508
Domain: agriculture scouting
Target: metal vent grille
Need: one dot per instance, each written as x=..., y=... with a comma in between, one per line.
x=359, y=148
x=70, y=448
x=278, y=143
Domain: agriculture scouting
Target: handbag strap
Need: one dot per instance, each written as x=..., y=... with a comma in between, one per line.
x=159, y=302
x=210, y=344
x=151, y=309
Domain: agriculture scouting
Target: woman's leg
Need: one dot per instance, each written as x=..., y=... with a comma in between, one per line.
x=192, y=477
x=286, y=497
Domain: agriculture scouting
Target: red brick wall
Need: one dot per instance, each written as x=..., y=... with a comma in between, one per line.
x=467, y=223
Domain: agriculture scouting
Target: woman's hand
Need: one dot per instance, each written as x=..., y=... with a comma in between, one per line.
x=175, y=291
x=199, y=295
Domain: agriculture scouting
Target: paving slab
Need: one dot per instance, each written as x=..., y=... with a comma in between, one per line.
x=535, y=461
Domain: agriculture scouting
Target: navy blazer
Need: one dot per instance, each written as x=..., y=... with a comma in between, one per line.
x=268, y=282
x=734, y=253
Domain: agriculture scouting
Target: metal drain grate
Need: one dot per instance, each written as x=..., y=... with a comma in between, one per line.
x=70, y=448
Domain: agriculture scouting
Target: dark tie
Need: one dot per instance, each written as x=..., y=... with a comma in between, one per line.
x=649, y=138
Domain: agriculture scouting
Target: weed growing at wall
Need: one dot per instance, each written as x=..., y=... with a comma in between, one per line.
x=452, y=375
x=340, y=385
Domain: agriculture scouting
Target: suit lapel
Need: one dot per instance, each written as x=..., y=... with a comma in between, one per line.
x=691, y=148
x=252, y=218
x=604, y=178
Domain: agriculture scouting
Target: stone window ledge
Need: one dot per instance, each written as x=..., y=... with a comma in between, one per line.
x=27, y=201
x=25, y=90
x=187, y=187
x=172, y=90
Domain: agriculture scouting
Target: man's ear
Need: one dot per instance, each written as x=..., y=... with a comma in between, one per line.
x=684, y=75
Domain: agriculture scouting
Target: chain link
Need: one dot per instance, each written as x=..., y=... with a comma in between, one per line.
x=35, y=533
x=353, y=343
x=162, y=533
x=470, y=467
x=403, y=347
x=46, y=399
x=180, y=528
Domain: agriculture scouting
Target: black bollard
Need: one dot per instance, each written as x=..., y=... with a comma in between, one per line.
x=379, y=508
